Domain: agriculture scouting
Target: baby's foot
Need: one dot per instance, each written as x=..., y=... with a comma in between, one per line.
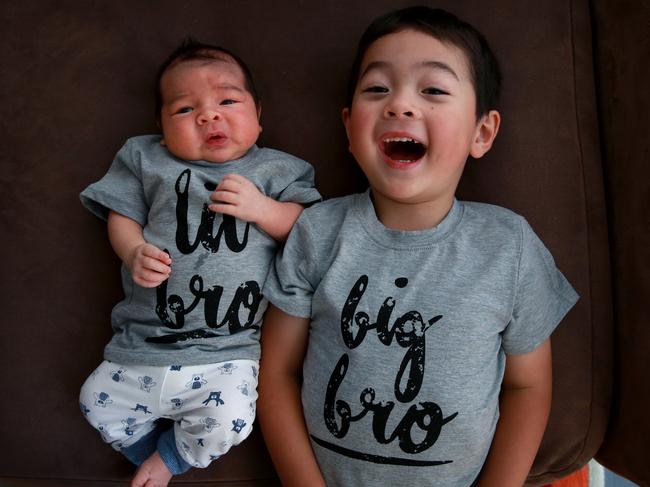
x=152, y=473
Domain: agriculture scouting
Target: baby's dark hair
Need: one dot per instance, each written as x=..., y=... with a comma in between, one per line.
x=192, y=50
x=449, y=29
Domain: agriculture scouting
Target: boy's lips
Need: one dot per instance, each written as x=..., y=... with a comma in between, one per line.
x=401, y=150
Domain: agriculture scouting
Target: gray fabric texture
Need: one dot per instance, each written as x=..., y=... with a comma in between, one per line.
x=211, y=307
x=409, y=332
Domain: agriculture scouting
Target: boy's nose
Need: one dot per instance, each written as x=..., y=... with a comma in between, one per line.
x=399, y=113
x=400, y=109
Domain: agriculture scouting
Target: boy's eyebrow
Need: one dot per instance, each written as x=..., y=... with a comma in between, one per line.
x=442, y=66
x=426, y=64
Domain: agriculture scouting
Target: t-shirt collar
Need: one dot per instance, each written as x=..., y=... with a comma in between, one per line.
x=402, y=239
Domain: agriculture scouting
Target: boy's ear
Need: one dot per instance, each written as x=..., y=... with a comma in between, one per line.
x=486, y=131
x=259, y=115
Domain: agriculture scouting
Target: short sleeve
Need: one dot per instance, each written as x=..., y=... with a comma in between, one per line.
x=543, y=296
x=120, y=189
x=301, y=189
x=293, y=276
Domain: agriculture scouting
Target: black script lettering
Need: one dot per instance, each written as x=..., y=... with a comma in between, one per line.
x=175, y=304
x=205, y=233
x=426, y=415
x=409, y=331
x=247, y=296
x=334, y=407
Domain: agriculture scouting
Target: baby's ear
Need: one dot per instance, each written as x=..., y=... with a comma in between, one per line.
x=486, y=131
x=345, y=116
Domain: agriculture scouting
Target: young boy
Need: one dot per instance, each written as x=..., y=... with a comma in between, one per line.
x=419, y=323
x=194, y=215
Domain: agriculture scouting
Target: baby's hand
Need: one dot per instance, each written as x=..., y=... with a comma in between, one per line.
x=237, y=196
x=149, y=265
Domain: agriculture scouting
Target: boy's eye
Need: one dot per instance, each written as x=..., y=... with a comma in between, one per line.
x=434, y=91
x=184, y=110
x=228, y=101
x=376, y=89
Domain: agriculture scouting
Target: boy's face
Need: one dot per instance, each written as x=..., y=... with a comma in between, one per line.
x=412, y=122
x=207, y=113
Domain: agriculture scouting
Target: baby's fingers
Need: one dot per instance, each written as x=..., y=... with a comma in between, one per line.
x=147, y=278
x=154, y=252
x=155, y=265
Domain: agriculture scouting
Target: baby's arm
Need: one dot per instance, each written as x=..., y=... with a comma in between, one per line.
x=237, y=196
x=148, y=264
x=525, y=404
x=284, y=343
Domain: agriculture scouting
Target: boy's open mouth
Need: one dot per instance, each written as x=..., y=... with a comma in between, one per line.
x=403, y=149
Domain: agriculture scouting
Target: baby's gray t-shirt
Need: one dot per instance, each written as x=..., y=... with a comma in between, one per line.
x=408, y=335
x=211, y=307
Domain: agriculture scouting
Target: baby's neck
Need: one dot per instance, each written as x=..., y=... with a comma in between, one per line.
x=410, y=216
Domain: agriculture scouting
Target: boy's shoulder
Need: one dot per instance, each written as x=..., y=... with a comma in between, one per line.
x=329, y=213
x=486, y=217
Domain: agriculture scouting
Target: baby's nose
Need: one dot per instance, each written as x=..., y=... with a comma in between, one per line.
x=209, y=115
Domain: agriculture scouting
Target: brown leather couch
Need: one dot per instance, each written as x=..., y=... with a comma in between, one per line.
x=76, y=81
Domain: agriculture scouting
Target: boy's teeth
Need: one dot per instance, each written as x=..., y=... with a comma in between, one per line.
x=400, y=139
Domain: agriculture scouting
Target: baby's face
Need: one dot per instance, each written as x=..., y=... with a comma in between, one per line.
x=207, y=113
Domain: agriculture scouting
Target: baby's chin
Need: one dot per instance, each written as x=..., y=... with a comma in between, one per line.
x=199, y=155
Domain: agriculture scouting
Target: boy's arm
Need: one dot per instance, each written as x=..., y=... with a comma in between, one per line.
x=284, y=343
x=525, y=403
x=148, y=264
x=237, y=196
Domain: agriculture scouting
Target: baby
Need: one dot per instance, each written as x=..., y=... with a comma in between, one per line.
x=194, y=216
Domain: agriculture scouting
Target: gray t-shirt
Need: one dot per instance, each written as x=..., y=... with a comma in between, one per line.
x=408, y=335
x=210, y=309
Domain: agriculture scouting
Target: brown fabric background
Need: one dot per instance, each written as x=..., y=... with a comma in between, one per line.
x=623, y=52
x=77, y=81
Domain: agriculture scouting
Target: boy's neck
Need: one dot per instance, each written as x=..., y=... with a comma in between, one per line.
x=410, y=216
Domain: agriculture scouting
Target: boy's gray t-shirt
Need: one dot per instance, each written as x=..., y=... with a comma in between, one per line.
x=408, y=335
x=210, y=309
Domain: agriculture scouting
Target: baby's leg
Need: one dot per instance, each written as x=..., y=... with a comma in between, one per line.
x=218, y=412
x=114, y=402
x=152, y=473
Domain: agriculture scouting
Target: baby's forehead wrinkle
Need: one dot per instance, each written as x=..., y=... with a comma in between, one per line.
x=205, y=58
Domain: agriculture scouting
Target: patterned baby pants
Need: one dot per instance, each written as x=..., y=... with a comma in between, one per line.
x=212, y=406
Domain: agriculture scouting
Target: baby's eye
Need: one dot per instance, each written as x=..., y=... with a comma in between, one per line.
x=184, y=110
x=228, y=101
x=434, y=91
x=376, y=89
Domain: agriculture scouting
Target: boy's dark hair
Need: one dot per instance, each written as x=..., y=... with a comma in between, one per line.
x=447, y=28
x=192, y=50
